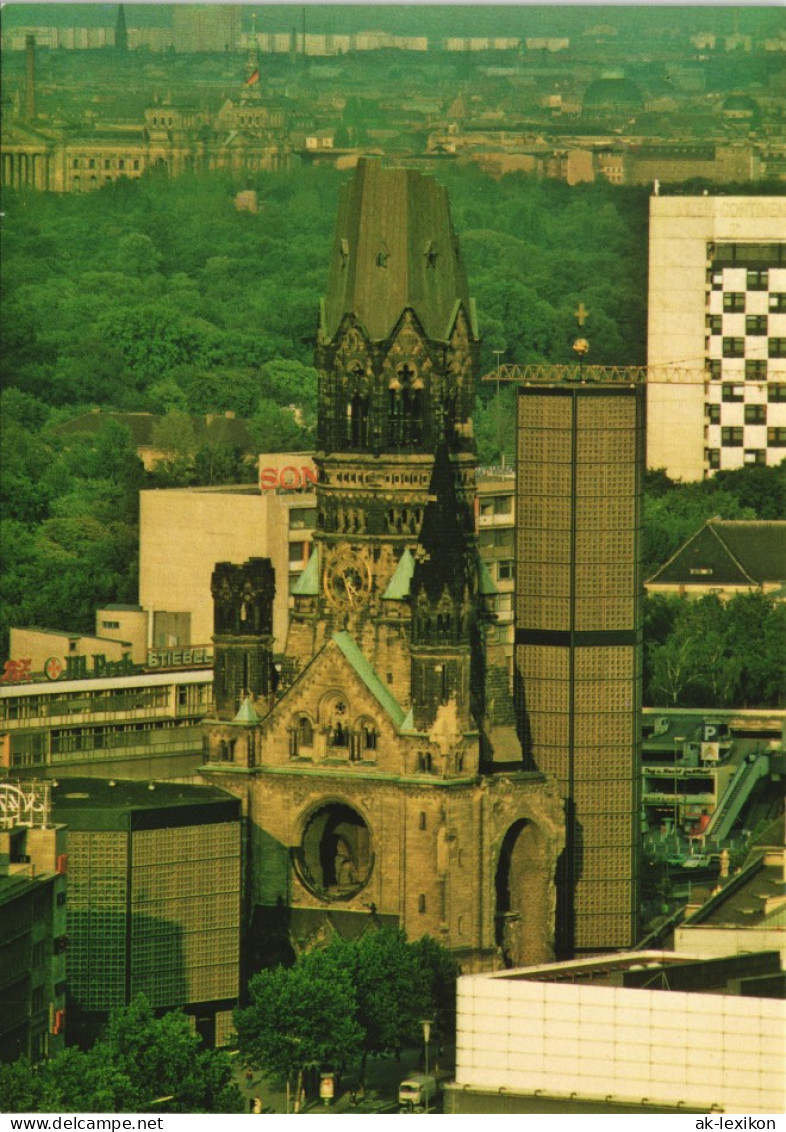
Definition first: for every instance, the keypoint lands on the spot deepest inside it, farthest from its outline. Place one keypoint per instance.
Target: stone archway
(522, 890)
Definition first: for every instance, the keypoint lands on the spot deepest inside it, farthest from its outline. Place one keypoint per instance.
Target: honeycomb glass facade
(578, 639)
(154, 897)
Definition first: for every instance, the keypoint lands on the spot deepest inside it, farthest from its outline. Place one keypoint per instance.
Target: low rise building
(748, 914)
(641, 1031)
(700, 770)
(142, 725)
(727, 557)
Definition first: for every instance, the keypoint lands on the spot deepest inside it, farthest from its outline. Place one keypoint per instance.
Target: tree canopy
(346, 1002)
(142, 1064)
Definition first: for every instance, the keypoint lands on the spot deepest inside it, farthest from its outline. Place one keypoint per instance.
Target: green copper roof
(246, 714)
(307, 584)
(369, 677)
(487, 584)
(394, 248)
(398, 586)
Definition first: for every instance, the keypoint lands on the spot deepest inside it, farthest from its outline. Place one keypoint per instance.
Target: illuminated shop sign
(70, 668)
(288, 478)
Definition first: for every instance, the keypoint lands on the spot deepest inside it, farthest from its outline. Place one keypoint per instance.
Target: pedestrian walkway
(383, 1076)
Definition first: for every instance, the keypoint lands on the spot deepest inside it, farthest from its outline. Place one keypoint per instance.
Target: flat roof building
(154, 898)
(641, 1031)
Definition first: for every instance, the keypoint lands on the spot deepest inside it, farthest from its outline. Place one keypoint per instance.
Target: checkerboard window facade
(745, 354)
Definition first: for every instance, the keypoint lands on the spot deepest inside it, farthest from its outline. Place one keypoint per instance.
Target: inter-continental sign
(95, 666)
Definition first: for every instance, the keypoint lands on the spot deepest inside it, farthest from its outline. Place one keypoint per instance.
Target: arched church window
(338, 735)
(405, 407)
(357, 422)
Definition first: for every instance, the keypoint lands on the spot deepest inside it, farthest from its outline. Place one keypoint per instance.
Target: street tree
(299, 1016)
(143, 1063)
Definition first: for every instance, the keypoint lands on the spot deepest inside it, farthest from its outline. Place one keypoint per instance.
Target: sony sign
(288, 478)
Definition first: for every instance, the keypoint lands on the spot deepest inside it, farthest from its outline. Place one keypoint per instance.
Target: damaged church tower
(385, 778)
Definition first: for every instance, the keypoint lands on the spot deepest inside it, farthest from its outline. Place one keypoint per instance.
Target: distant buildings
(173, 139)
(717, 312)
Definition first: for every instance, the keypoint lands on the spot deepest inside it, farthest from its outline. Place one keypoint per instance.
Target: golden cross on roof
(581, 313)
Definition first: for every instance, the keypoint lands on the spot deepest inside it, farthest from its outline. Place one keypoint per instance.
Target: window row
(755, 369)
(733, 436)
(735, 347)
(754, 414)
(105, 163)
(754, 324)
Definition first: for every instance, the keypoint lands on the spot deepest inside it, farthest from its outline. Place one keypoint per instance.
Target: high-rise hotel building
(717, 333)
(578, 651)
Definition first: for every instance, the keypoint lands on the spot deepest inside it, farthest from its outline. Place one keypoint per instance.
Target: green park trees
(709, 653)
(143, 1063)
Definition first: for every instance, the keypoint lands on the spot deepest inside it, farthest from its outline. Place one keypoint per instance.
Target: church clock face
(347, 579)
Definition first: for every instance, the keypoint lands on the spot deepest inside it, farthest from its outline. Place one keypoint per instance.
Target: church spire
(121, 33)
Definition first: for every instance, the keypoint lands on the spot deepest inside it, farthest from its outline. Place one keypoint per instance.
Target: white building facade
(572, 1034)
(716, 334)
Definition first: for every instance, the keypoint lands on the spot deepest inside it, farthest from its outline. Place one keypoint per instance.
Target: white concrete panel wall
(712, 942)
(598, 1042)
(675, 338)
(184, 533)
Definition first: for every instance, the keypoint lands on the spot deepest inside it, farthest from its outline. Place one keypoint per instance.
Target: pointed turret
(121, 32)
(443, 595)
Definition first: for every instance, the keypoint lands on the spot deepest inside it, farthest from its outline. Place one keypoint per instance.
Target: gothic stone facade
(383, 776)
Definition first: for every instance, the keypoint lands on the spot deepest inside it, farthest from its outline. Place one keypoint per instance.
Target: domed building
(612, 91)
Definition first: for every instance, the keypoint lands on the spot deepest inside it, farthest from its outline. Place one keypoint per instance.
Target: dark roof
(394, 248)
(746, 901)
(729, 552)
(142, 426)
(122, 804)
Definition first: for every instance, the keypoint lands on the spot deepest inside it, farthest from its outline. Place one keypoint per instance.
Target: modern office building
(33, 937)
(142, 725)
(185, 531)
(495, 516)
(716, 334)
(639, 1032)
(154, 898)
(579, 639)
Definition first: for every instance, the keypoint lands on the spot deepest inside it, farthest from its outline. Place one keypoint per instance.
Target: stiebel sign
(180, 658)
